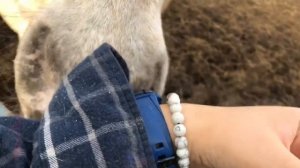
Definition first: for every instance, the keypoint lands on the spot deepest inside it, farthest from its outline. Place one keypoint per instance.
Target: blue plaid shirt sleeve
(92, 121)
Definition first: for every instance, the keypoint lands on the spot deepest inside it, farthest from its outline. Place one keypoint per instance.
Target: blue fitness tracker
(156, 129)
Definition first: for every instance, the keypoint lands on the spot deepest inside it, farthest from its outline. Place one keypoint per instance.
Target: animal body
(67, 31)
(18, 13)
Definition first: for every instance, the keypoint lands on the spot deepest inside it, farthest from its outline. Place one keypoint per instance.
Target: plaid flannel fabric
(92, 121)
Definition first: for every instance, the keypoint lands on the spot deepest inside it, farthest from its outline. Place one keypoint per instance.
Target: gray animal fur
(69, 30)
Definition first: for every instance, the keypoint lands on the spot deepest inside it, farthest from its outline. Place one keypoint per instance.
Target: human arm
(235, 137)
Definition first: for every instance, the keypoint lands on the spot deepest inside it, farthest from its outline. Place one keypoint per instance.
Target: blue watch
(156, 129)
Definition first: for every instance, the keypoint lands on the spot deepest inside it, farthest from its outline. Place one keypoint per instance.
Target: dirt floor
(233, 52)
(8, 44)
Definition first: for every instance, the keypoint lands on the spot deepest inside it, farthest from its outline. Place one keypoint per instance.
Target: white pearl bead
(182, 153)
(177, 118)
(184, 162)
(173, 98)
(181, 142)
(174, 108)
(179, 130)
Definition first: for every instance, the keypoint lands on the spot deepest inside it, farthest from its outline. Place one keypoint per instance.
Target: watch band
(156, 129)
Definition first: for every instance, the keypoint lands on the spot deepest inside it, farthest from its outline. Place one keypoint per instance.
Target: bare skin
(241, 137)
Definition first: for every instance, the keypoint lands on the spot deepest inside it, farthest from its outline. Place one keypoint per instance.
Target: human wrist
(197, 124)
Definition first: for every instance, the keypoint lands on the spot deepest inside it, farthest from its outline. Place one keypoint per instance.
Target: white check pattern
(92, 122)
(99, 110)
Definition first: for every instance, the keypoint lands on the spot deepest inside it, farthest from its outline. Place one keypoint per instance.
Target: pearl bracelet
(179, 129)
